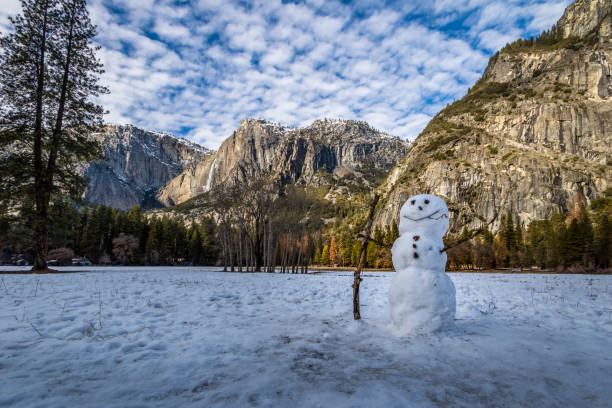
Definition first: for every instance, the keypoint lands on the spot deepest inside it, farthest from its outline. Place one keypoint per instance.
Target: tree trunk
(269, 248)
(362, 257)
(272, 250)
(264, 246)
(240, 250)
(225, 256)
(41, 229)
(257, 246)
(284, 256)
(231, 250)
(299, 258)
(274, 254)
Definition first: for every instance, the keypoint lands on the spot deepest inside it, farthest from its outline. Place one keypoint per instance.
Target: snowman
(422, 296)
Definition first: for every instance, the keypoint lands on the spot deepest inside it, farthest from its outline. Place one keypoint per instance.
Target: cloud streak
(198, 68)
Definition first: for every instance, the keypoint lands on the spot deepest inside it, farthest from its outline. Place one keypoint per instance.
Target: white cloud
(493, 40)
(546, 14)
(9, 8)
(207, 66)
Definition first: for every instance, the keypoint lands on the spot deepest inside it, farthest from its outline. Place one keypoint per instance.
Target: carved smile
(430, 216)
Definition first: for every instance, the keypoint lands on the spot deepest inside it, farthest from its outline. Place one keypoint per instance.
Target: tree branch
(362, 257)
(377, 242)
(472, 235)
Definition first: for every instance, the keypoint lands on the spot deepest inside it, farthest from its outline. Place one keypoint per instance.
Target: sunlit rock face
(293, 155)
(532, 135)
(154, 169)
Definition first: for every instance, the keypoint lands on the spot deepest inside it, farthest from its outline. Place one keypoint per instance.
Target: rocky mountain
(136, 164)
(311, 155)
(532, 134)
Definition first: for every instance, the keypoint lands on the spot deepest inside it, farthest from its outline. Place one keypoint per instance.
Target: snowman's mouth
(431, 216)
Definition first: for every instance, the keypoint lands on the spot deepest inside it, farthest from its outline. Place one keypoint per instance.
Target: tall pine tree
(48, 75)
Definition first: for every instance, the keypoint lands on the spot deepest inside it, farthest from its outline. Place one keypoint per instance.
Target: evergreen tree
(371, 254)
(92, 243)
(210, 244)
(355, 253)
(63, 221)
(325, 255)
(48, 75)
(195, 245)
(316, 258)
(345, 247)
(571, 252)
(507, 233)
(603, 245)
(153, 241)
(393, 234)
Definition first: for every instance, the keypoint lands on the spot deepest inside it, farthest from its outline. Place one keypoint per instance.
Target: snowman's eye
(426, 201)
(412, 202)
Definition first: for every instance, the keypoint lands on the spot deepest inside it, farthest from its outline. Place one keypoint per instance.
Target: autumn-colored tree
(384, 258)
(333, 251)
(325, 255)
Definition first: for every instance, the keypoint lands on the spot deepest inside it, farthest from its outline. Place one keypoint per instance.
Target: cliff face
(136, 164)
(586, 16)
(535, 131)
(295, 155)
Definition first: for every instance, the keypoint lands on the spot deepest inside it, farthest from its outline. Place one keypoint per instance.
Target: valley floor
(166, 337)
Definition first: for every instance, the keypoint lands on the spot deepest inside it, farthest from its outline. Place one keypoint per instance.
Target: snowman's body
(422, 296)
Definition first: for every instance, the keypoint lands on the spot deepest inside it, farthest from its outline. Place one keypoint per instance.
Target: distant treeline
(261, 225)
(550, 39)
(580, 241)
(105, 235)
(343, 249)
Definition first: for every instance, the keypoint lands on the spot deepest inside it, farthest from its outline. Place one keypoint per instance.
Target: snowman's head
(424, 213)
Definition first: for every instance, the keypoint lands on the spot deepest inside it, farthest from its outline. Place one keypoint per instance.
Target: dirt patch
(38, 272)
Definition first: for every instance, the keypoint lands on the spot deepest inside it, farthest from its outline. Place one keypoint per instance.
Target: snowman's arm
(377, 242)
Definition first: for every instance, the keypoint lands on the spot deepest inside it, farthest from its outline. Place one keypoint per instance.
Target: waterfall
(211, 174)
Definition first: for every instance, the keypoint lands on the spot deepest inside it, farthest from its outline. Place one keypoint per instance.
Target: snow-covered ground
(173, 337)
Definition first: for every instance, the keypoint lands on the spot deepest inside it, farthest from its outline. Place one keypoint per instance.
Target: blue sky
(197, 68)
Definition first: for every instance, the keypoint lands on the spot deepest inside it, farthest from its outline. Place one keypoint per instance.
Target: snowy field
(192, 337)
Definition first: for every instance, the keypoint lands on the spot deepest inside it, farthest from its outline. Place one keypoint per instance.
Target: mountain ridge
(135, 164)
(294, 155)
(155, 169)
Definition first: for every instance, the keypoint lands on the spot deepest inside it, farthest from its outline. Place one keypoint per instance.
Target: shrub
(63, 256)
(124, 247)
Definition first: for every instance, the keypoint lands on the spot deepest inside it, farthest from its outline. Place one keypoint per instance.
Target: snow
(192, 337)
(422, 296)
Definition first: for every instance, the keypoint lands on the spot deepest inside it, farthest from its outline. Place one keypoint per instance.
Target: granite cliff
(153, 169)
(135, 165)
(531, 135)
(310, 155)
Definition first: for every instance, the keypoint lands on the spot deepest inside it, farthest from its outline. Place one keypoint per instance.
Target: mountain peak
(262, 122)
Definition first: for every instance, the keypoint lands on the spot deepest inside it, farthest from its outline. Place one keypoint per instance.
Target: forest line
(262, 226)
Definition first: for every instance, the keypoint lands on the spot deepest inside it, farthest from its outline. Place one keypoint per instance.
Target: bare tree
(124, 247)
(364, 244)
